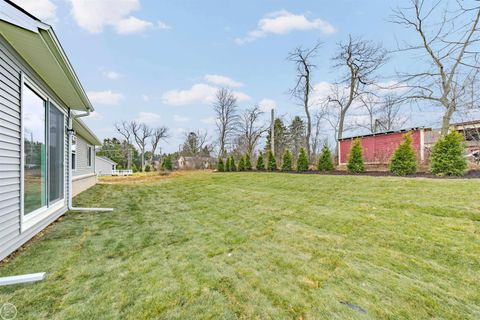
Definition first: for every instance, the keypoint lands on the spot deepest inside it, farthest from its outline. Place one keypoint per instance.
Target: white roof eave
(38, 45)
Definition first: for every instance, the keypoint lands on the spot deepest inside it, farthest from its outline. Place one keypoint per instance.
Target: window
(89, 156)
(43, 152)
(74, 153)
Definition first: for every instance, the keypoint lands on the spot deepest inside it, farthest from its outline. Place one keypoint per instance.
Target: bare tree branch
(225, 107)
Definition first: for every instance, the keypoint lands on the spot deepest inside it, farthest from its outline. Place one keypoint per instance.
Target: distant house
(378, 148)
(41, 100)
(104, 166)
(192, 163)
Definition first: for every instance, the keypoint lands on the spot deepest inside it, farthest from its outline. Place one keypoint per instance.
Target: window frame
(89, 156)
(74, 153)
(31, 219)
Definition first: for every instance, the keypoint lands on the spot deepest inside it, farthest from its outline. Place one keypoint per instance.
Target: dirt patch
(140, 178)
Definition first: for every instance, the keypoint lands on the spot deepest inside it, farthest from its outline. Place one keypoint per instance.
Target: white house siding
(103, 167)
(11, 235)
(84, 176)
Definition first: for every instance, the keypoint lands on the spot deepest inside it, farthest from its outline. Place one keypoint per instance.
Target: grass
(264, 246)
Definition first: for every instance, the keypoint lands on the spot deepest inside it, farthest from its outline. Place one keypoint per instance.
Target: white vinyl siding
(11, 68)
(81, 155)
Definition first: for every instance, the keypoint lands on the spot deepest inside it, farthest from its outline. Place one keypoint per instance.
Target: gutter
(70, 178)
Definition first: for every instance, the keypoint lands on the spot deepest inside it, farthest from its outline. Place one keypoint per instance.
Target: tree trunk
(446, 120)
(307, 112)
(143, 160)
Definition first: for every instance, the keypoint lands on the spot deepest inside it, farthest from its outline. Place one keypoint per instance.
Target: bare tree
(141, 132)
(449, 48)
(369, 103)
(303, 87)
(359, 60)
(389, 115)
(123, 129)
(250, 130)
(384, 113)
(225, 107)
(196, 144)
(158, 134)
(317, 140)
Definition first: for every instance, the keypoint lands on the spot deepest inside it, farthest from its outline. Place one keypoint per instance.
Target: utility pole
(272, 133)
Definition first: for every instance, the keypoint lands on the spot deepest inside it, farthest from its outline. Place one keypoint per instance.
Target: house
(41, 102)
(192, 163)
(83, 163)
(378, 148)
(105, 166)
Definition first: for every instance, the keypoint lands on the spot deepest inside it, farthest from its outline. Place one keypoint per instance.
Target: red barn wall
(379, 148)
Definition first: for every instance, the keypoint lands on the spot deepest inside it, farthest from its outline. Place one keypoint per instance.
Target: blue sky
(160, 61)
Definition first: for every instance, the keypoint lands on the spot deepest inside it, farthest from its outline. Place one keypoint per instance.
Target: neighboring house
(39, 93)
(192, 163)
(104, 166)
(378, 148)
(83, 162)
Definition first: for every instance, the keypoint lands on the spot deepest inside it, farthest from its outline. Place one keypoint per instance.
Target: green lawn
(260, 246)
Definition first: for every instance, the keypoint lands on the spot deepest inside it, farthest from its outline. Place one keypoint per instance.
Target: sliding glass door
(56, 155)
(34, 151)
(43, 152)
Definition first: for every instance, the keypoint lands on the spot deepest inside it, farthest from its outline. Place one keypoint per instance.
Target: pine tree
(167, 163)
(355, 158)
(325, 162)
(220, 165)
(281, 138)
(404, 160)
(260, 163)
(228, 165)
(248, 163)
(287, 161)
(302, 161)
(233, 167)
(447, 156)
(272, 164)
(241, 164)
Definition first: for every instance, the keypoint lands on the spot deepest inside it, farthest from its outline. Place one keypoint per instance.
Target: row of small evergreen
(446, 159)
(325, 162)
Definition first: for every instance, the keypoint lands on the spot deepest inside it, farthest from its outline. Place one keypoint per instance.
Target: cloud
(146, 98)
(95, 115)
(135, 25)
(209, 120)
(241, 96)
(112, 75)
(198, 93)
(94, 16)
(222, 81)
(148, 117)
(107, 97)
(45, 10)
(284, 22)
(267, 105)
(180, 119)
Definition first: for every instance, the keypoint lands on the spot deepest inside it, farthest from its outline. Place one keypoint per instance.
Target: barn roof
(384, 133)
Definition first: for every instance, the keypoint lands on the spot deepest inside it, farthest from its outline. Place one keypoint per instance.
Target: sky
(161, 62)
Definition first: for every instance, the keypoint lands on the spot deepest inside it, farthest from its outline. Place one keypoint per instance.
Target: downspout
(70, 140)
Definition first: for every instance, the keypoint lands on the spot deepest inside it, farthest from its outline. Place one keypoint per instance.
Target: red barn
(379, 147)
